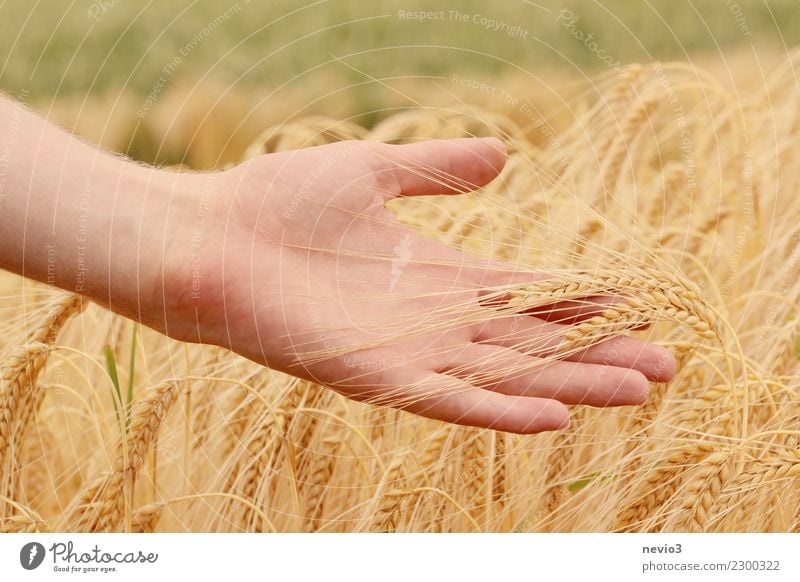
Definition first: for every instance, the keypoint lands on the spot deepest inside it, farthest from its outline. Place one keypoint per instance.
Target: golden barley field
(666, 183)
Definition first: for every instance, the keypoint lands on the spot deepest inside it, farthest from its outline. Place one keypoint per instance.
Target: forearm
(79, 218)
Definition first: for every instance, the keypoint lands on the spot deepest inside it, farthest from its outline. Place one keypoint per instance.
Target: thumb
(439, 166)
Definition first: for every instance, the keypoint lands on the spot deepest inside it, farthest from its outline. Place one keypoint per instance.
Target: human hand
(296, 254)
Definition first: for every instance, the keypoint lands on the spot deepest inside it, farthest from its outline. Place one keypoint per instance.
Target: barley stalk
(649, 296)
(102, 505)
(59, 312)
(659, 485)
(146, 518)
(319, 480)
(253, 461)
(389, 497)
(391, 507)
(705, 485)
(763, 473)
(20, 398)
(475, 475)
(22, 524)
(635, 122)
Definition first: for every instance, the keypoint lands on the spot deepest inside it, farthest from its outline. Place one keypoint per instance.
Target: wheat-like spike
(257, 452)
(248, 474)
(559, 459)
(22, 524)
(389, 512)
(200, 417)
(707, 406)
(243, 406)
(671, 306)
(201, 413)
(625, 317)
(670, 237)
(783, 358)
(310, 131)
(389, 502)
(764, 472)
(30, 408)
(587, 233)
(59, 312)
(319, 480)
(434, 448)
(642, 426)
(147, 417)
(775, 469)
(379, 418)
(672, 203)
(611, 322)
(650, 409)
(705, 485)
(282, 447)
(19, 393)
(621, 149)
(549, 291)
(648, 296)
(499, 469)
(698, 245)
(102, 505)
(659, 486)
(474, 474)
(312, 397)
(146, 518)
(617, 97)
(34, 480)
(691, 380)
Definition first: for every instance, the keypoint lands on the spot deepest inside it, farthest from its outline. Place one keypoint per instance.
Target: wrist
(88, 222)
(179, 244)
(133, 238)
(120, 232)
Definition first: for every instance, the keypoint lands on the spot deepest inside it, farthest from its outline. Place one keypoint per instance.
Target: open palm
(304, 269)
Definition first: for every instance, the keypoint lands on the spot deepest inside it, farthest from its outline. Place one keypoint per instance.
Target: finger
(440, 166)
(510, 372)
(449, 399)
(655, 362)
(540, 338)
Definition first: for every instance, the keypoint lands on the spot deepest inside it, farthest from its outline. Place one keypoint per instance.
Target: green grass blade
(584, 481)
(131, 371)
(111, 368)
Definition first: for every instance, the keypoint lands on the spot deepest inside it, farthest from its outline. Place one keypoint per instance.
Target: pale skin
(279, 257)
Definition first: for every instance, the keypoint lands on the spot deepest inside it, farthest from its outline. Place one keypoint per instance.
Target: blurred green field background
(156, 79)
